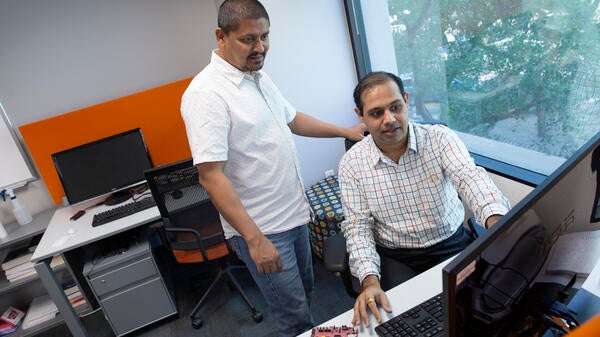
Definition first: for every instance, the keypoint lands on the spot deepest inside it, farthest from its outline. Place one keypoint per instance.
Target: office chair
(191, 227)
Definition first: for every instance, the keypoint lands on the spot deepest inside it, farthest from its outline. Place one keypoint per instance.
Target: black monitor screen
(103, 166)
(500, 284)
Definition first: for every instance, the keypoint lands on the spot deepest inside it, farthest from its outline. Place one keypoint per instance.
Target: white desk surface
(592, 282)
(401, 297)
(62, 234)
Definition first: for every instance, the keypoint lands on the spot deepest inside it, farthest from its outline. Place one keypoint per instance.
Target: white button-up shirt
(413, 203)
(241, 118)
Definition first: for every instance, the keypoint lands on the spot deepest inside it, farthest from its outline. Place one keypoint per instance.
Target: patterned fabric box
(324, 199)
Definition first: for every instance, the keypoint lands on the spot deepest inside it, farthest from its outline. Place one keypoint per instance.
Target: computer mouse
(176, 194)
(71, 231)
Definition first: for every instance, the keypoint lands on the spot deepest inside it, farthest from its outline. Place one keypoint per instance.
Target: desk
(58, 239)
(427, 284)
(401, 297)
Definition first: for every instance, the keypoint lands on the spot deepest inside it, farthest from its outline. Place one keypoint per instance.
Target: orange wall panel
(155, 111)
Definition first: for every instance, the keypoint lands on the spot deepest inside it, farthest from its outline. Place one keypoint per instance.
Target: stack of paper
(21, 267)
(76, 298)
(18, 267)
(41, 310)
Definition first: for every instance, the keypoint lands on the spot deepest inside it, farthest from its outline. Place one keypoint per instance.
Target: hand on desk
(371, 296)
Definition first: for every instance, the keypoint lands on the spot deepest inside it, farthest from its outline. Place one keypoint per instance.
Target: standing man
(400, 194)
(239, 128)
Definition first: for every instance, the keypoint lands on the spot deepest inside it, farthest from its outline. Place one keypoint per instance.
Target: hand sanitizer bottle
(21, 214)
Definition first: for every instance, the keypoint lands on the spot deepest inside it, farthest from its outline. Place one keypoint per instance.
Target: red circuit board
(335, 331)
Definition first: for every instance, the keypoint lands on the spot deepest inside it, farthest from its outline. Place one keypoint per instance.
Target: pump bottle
(21, 214)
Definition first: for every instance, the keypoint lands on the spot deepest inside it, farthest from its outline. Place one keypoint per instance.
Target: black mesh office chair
(191, 226)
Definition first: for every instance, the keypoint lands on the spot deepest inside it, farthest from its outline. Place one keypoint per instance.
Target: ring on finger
(369, 300)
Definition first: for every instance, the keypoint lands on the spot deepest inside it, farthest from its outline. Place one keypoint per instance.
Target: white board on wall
(15, 170)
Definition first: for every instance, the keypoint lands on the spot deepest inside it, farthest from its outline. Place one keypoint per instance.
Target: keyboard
(122, 211)
(425, 319)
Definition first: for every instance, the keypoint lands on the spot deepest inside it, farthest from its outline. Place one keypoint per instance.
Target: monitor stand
(117, 197)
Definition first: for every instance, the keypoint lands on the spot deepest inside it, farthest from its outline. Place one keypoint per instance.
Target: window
(519, 80)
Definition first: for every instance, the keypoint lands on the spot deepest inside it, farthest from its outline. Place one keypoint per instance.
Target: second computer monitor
(486, 285)
(103, 166)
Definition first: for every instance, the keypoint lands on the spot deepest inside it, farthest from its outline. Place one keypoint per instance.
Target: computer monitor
(105, 166)
(489, 286)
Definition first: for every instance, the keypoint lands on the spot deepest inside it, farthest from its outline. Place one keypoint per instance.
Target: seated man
(400, 191)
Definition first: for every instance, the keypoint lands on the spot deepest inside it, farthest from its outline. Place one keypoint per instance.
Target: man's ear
(406, 97)
(220, 35)
(360, 116)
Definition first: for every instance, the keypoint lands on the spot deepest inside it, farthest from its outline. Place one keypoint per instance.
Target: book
(6, 329)
(71, 290)
(40, 310)
(28, 324)
(16, 273)
(15, 261)
(73, 295)
(24, 276)
(9, 321)
(20, 267)
(575, 253)
(12, 315)
(13, 276)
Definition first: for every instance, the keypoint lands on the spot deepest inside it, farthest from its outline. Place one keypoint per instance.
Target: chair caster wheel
(257, 317)
(196, 323)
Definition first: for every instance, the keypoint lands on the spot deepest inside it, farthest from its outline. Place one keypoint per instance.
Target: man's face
(246, 47)
(385, 114)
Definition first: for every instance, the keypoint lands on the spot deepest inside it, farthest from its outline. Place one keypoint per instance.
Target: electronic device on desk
(105, 166)
(426, 318)
(497, 286)
(123, 211)
(334, 331)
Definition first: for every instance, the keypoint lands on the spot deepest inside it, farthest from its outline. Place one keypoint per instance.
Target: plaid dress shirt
(413, 203)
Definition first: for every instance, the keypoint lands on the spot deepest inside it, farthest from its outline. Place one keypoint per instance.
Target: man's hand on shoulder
(356, 132)
(371, 296)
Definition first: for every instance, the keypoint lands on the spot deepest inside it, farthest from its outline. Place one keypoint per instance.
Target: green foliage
(499, 61)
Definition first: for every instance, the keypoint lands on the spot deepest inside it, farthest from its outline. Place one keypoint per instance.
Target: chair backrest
(190, 220)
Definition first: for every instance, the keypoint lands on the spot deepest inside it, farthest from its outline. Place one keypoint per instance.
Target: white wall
(61, 55)
(310, 59)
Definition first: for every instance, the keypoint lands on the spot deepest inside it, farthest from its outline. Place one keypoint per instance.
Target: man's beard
(252, 66)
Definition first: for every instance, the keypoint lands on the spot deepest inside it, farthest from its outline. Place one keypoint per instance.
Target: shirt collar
(232, 73)
(412, 138)
(374, 154)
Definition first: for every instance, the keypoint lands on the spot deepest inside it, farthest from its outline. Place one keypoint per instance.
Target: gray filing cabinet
(129, 288)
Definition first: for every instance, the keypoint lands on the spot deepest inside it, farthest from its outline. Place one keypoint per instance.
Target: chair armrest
(335, 260)
(334, 253)
(476, 229)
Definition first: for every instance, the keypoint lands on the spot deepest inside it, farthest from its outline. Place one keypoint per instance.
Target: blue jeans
(287, 293)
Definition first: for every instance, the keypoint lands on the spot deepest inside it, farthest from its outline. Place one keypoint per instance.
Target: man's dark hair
(372, 80)
(232, 12)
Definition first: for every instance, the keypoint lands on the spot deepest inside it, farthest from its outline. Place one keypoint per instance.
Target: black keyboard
(122, 211)
(425, 319)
